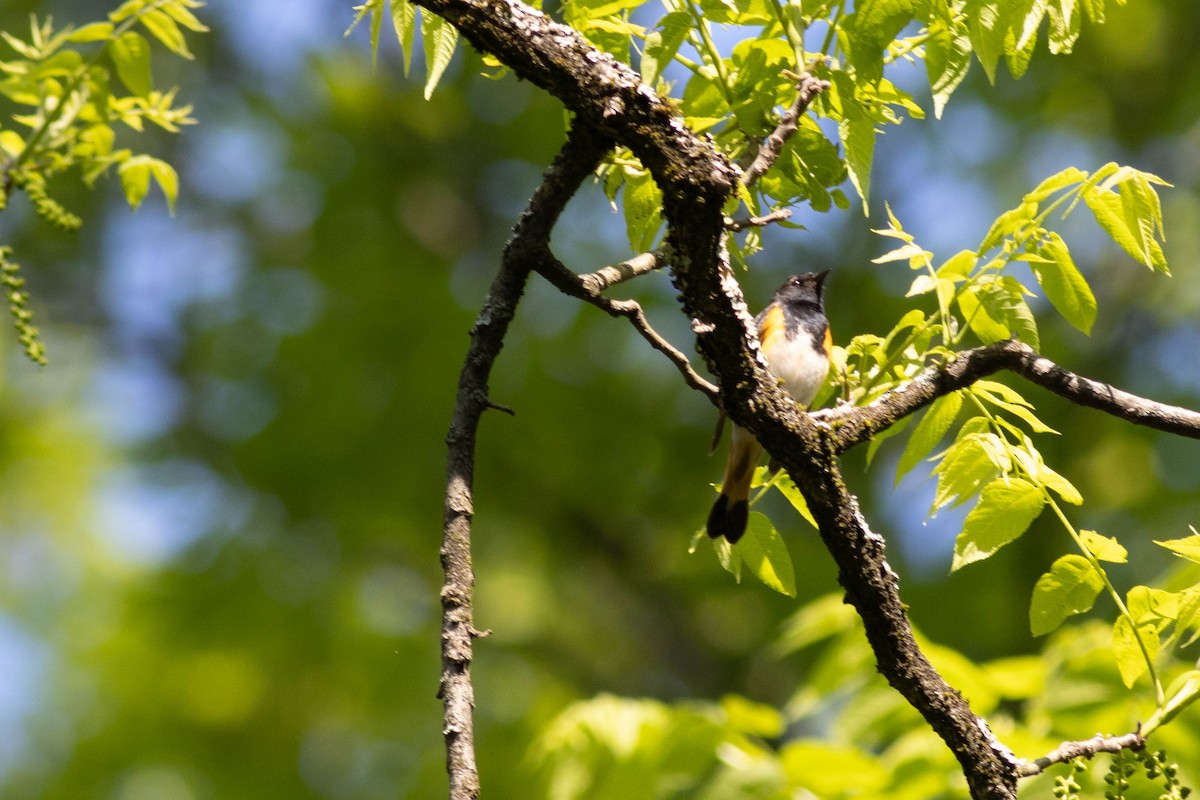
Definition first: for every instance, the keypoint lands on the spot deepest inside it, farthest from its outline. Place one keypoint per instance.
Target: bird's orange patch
(828, 343)
(774, 327)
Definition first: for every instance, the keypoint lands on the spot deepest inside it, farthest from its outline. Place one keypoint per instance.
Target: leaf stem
(1159, 695)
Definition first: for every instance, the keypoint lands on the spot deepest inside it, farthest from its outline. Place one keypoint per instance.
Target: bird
(795, 338)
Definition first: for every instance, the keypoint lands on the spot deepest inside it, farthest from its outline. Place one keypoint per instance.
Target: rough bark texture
(606, 97)
(526, 251)
(852, 426)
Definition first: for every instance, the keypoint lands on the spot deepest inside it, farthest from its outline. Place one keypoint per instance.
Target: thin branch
(577, 159)
(853, 426)
(807, 89)
(1068, 751)
(596, 282)
(736, 225)
(579, 287)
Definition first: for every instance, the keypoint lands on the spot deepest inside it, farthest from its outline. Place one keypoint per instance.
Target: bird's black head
(805, 289)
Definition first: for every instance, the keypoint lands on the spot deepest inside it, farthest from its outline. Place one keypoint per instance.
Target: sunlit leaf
(929, 432)
(764, 553)
(1132, 646)
(404, 21)
(1065, 287)
(130, 53)
(1005, 510)
(1070, 587)
(1105, 548)
(164, 29)
(95, 32)
(441, 38)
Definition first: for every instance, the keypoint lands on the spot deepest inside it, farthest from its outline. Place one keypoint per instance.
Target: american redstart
(795, 339)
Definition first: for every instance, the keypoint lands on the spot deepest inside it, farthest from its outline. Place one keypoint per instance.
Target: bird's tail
(732, 510)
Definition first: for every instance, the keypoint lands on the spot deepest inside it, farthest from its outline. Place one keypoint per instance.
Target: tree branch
(807, 89)
(852, 426)
(1086, 749)
(577, 286)
(525, 251)
(778, 215)
(695, 181)
(596, 282)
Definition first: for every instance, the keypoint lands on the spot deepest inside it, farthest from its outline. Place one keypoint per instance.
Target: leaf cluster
(67, 89)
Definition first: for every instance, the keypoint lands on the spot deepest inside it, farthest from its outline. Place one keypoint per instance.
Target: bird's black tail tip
(728, 519)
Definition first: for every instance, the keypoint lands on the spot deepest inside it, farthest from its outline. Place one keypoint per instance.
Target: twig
(1086, 749)
(530, 240)
(596, 282)
(807, 89)
(579, 287)
(736, 225)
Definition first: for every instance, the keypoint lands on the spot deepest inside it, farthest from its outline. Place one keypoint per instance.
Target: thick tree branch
(1068, 751)
(852, 426)
(695, 181)
(526, 249)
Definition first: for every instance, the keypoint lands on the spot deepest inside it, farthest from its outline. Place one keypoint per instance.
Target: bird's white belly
(801, 370)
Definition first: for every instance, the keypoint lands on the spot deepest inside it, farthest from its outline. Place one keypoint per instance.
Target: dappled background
(220, 503)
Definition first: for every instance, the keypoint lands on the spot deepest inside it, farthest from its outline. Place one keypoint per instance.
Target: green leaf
(889, 432)
(1005, 510)
(178, 11)
(1131, 656)
(1008, 224)
(995, 310)
(130, 53)
(870, 29)
(788, 489)
(755, 719)
(135, 179)
(577, 11)
(1064, 26)
(766, 556)
(1056, 183)
(1065, 287)
(1008, 399)
(642, 201)
(404, 21)
(1104, 548)
(987, 25)
(703, 103)
(1187, 547)
(1025, 28)
(440, 40)
(663, 43)
(1131, 216)
(929, 431)
(95, 32)
(167, 180)
(1070, 587)
(127, 10)
(163, 28)
(857, 129)
(947, 55)
(964, 469)
(833, 770)
(1060, 485)
(135, 174)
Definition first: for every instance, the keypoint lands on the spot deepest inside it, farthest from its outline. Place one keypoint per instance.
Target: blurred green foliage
(220, 507)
